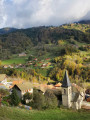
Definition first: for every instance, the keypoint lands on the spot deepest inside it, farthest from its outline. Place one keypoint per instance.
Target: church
(72, 94)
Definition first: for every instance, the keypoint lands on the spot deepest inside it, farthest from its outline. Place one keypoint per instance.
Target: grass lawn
(20, 60)
(7, 113)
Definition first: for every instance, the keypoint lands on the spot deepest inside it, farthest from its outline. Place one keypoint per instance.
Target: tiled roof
(44, 87)
(58, 85)
(24, 86)
(17, 82)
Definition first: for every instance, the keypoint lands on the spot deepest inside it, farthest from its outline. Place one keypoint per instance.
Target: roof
(58, 85)
(66, 82)
(77, 88)
(17, 82)
(24, 86)
(42, 87)
(2, 77)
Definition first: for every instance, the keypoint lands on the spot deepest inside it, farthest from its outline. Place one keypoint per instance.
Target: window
(64, 91)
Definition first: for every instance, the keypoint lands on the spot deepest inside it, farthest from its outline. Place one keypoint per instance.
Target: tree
(15, 100)
(50, 99)
(0, 62)
(2, 94)
(38, 100)
(30, 57)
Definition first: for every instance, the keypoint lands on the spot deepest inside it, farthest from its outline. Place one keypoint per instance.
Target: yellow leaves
(80, 65)
(0, 62)
(58, 59)
(61, 42)
(59, 75)
(68, 63)
(78, 59)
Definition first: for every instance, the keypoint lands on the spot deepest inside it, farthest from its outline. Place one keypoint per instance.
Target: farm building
(23, 88)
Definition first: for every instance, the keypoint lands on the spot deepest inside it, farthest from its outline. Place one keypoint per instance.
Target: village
(33, 62)
(70, 95)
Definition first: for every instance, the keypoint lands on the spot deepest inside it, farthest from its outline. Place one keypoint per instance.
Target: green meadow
(21, 60)
(8, 113)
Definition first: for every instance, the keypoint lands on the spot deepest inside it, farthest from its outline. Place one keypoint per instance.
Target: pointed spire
(66, 82)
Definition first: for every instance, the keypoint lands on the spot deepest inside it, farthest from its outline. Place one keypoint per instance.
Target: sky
(32, 13)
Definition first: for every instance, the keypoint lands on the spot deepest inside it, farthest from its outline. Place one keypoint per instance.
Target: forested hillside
(48, 52)
(22, 40)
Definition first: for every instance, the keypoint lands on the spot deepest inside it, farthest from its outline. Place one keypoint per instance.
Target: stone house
(22, 88)
(72, 94)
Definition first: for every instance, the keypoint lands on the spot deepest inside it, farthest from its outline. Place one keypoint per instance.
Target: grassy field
(7, 113)
(20, 60)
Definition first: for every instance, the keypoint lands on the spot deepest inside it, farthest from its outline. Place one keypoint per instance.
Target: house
(22, 54)
(10, 66)
(35, 59)
(23, 88)
(2, 86)
(58, 85)
(3, 80)
(5, 66)
(15, 82)
(72, 95)
(43, 65)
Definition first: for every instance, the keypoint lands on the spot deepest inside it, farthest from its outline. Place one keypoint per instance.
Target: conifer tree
(15, 100)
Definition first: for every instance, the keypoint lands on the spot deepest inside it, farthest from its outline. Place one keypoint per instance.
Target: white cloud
(2, 14)
(28, 13)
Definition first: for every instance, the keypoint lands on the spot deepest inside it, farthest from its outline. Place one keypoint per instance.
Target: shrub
(27, 96)
(50, 99)
(5, 103)
(38, 100)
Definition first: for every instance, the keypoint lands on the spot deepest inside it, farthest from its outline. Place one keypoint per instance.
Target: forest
(66, 46)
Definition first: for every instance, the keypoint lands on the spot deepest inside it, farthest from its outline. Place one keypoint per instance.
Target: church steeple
(66, 82)
(66, 91)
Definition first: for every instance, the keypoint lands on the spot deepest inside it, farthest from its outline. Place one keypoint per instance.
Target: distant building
(3, 80)
(22, 54)
(5, 66)
(72, 94)
(23, 88)
(58, 85)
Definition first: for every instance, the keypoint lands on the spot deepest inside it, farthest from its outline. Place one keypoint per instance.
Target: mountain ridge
(7, 30)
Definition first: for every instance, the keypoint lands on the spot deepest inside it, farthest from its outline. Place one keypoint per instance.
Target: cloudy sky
(29, 13)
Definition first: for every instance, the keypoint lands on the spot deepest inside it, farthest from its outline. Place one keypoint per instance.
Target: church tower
(66, 91)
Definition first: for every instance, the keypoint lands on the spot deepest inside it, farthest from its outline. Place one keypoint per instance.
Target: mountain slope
(23, 39)
(7, 30)
(84, 22)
